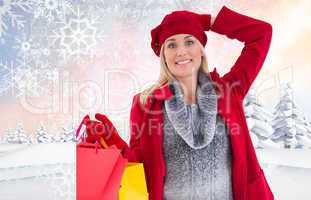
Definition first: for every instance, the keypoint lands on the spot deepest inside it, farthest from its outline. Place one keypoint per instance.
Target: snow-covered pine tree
(289, 122)
(308, 127)
(19, 136)
(8, 136)
(305, 139)
(2, 139)
(56, 138)
(67, 133)
(42, 136)
(258, 121)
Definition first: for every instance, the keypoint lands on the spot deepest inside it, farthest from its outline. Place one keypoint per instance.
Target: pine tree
(42, 136)
(290, 125)
(56, 138)
(67, 134)
(8, 136)
(19, 136)
(308, 127)
(258, 121)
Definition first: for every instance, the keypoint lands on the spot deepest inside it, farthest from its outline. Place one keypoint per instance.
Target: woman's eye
(171, 45)
(189, 42)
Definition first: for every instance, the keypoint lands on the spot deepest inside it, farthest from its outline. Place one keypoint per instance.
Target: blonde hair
(166, 76)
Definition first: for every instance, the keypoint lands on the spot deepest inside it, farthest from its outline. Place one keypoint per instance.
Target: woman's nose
(181, 51)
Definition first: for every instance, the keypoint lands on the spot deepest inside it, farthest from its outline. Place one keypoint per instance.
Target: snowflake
(9, 14)
(63, 181)
(77, 37)
(24, 45)
(24, 77)
(26, 82)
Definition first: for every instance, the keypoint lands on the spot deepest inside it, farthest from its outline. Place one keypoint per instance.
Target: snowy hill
(40, 154)
(40, 171)
(288, 172)
(299, 158)
(9, 148)
(47, 171)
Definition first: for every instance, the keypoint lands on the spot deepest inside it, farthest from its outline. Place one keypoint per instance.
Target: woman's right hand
(94, 129)
(104, 129)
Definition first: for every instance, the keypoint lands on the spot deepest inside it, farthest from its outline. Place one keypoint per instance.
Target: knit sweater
(196, 146)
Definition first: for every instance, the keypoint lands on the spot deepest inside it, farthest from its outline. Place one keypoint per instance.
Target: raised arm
(256, 35)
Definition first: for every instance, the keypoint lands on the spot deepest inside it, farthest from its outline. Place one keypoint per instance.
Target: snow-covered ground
(288, 171)
(41, 171)
(47, 171)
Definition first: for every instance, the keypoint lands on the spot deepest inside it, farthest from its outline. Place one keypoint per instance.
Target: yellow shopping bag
(133, 184)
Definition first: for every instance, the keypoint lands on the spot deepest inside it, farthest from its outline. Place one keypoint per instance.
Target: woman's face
(183, 55)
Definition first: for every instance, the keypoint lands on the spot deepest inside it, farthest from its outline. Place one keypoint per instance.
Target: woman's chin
(185, 70)
(183, 74)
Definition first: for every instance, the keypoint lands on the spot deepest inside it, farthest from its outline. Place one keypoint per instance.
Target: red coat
(248, 179)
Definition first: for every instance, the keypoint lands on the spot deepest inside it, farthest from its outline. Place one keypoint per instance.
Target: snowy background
(62, 59)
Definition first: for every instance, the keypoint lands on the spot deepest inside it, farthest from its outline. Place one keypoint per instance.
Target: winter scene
(63, 59)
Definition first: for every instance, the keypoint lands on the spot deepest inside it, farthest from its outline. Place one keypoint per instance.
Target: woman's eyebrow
(173, 39)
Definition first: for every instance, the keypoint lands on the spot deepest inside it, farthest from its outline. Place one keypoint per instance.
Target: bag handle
(86, 121)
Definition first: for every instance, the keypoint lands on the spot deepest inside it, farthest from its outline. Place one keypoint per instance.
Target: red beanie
(179, 22)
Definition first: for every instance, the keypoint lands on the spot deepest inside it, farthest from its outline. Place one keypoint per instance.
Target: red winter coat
(248, 179)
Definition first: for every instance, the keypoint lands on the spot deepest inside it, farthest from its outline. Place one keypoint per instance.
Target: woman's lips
(183, 62)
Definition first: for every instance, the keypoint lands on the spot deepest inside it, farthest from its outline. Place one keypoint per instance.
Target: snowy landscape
(47, 171)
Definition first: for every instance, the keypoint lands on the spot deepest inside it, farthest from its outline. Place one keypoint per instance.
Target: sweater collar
(199, 135)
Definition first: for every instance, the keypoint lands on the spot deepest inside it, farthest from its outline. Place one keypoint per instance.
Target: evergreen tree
(258, 121)
(42, 136)
(18, 136)
(291, 128)
(68, 133)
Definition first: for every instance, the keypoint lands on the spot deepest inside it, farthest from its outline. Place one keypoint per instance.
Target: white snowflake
(76, 39)
(10, 14)
(24, 45)
(63, 181)
(27, 77)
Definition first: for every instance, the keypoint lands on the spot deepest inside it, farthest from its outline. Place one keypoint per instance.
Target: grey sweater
(196, 146)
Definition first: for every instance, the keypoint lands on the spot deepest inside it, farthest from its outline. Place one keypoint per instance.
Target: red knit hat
(179, 22)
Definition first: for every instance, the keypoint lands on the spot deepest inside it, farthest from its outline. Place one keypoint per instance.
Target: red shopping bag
(99, 171)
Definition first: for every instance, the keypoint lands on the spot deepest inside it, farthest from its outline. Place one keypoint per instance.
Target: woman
(189, 129)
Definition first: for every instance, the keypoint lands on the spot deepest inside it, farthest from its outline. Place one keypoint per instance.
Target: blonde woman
(189, 129)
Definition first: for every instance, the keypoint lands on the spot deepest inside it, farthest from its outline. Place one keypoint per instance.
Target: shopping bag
(99, 169)
(99, 172)
(133, 184)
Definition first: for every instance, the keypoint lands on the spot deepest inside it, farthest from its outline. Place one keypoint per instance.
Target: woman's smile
(183, 62)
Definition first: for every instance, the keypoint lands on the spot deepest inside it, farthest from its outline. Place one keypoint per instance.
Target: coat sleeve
(133, 151)
(256, 35)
